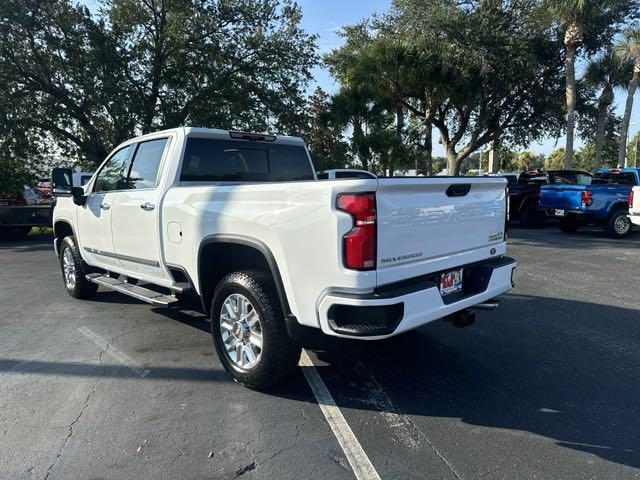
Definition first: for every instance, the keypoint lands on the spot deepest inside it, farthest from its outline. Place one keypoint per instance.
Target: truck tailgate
(561, 197)
(430, 224)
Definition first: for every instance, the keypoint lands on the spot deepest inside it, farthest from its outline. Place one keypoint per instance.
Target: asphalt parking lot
(545, 387)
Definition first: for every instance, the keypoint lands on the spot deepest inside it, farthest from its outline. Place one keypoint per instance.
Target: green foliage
(475, 71)
(323, 134)
(14, 175)
(632, 151)
(87, 82)
(555, 160)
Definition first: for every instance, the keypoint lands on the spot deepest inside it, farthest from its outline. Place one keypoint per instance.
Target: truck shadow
(563, 370)
(587, 237)
(31, 243)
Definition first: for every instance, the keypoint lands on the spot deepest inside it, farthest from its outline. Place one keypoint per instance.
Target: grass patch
(41, 231)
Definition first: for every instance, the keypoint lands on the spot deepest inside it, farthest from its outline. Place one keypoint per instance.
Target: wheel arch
(616, 206)
(61, 228)
(238, 253)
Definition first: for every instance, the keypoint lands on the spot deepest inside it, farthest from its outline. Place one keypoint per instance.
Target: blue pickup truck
(604, 202)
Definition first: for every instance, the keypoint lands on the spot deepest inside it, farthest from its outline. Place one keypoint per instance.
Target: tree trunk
(428, 148)
(570, 97)
(604, 102)
(357, 137)
(452, 162)
(494, 157)
(397, 151)
(624, 128)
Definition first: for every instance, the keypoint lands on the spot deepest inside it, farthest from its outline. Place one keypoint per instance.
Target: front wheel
(248, 330)
(73, 274)
(618, 225)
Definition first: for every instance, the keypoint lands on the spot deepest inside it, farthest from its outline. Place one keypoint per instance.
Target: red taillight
(359, 244)
(631, 199)
(585, 198)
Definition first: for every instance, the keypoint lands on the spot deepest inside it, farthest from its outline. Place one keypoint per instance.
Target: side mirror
(79, 198)
(61, 181)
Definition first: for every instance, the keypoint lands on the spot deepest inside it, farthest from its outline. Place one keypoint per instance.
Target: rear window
(527, 179)
(624, 178)
(570, 178)
(213, 160)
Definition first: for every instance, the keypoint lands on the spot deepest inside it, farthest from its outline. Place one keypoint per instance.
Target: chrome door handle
(105, 206)
(147, 206)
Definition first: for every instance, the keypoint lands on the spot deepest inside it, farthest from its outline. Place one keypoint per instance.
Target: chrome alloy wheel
(622, 225)
(69, 269)
(241, 331)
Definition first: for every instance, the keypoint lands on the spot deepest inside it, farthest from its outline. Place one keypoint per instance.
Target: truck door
(94, 218)
(136, 212)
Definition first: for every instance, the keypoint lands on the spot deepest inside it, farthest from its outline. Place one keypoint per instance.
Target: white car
(241, 221)
(634, 206)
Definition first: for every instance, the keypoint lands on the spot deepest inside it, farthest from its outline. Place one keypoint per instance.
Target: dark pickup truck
(18, 214)
(524, 196)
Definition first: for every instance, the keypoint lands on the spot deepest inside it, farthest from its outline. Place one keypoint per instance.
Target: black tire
(279, 355)
(81, 288)
(618, 225)
(568, 224)
(531, 217)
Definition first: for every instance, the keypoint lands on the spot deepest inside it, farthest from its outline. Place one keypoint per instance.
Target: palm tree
(629, 49)
(606, 72)
(352, 106)
(572, 15)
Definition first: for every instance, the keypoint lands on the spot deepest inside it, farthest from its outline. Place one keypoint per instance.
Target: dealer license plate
(451, 282)
(559, 213)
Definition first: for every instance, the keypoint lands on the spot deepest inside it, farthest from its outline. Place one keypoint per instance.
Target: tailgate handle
(458, 189)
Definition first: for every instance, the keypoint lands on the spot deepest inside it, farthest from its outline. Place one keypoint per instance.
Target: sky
(325, 17)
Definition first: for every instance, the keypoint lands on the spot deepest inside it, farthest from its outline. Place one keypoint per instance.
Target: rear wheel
(618, 225)
(248, 329)
(531, 217)
(569, 224)
(73, 273)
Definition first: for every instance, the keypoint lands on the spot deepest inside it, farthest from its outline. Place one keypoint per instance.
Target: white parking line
(360, 463)
(114, 352)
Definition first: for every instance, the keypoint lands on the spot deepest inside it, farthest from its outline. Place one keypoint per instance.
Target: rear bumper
(635, 218)
(399, 307)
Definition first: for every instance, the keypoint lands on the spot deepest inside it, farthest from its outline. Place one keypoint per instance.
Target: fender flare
(259, 246)
(58, 240)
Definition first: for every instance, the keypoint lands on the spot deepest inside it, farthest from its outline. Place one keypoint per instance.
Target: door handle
(148, 206)
(105, 206)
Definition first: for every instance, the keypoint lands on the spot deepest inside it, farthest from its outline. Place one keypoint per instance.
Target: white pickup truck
(241, 221)
(634, 206)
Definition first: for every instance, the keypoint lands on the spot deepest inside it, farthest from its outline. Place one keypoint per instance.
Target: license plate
(450, 282)
(559, 213)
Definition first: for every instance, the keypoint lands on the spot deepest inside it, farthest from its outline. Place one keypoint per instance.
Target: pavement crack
(77, 419)
(247, 468)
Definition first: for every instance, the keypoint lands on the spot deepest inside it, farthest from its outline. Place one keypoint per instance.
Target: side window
(114, 173)
(145, 165)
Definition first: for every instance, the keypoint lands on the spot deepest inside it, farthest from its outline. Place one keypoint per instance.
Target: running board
(141, 293)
